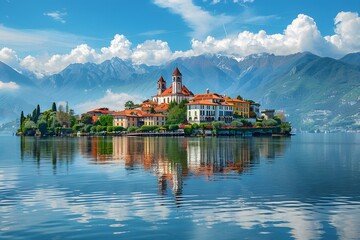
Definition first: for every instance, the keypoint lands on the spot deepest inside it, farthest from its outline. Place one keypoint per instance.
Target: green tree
(203, 126)
(63, 118)
(132, 129)
(22, 118)
(177, 114)
(42, 126)
(171, 105)
(236, 123)
(38, 112)
(188, 130)
(86, 119)
(217, 125)
(106, 120)
(278, 120)
(240, 97)
(285, 127)
(269, 123)
(53, 107)
(152, 110)
(129, 105)
(173, 127)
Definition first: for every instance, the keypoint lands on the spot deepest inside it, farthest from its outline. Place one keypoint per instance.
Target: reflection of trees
(56, 150)
(173, 158)
(99, 149)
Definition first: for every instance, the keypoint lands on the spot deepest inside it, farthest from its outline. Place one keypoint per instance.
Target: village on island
(173, 111)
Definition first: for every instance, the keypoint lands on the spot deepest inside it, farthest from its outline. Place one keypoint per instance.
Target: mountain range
(316, 93)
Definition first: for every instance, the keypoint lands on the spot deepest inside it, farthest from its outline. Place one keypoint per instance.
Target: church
(175, 93)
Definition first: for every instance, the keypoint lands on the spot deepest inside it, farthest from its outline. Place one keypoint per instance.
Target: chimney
(207, 91)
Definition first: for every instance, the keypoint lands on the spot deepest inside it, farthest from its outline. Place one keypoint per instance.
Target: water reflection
(112, 190)
(45, 150)
(172, 159)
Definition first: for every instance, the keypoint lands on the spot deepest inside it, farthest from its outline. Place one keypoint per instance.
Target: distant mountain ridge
(315, 92)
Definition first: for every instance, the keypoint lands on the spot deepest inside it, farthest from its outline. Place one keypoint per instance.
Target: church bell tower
(176, 81)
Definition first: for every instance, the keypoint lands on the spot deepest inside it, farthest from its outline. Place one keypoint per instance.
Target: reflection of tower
(177, 179)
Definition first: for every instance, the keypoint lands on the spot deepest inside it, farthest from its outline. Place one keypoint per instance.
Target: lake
(303, 187)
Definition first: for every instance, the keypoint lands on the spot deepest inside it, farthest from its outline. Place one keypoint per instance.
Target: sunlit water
(303, 187)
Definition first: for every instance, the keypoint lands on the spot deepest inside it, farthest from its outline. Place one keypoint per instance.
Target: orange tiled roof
(202, 102)
(177, 72)
(155, 115)
(236, 100)
(130, 113)
(100, 111)
(163, 107)
(206, 96)
(184, 91)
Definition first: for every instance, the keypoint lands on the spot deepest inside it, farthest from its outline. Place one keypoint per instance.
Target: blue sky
(45, 36)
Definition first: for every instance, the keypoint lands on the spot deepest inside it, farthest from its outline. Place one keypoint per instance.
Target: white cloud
(8, 86)
(152, 52)
(114, 101)
(81, 54)
(57, 16)
(201, 21)
(8, 56)
(347, 32)
(120, 47)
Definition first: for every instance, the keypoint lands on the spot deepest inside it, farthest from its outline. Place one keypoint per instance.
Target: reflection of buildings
(210, 155)
(171, 159)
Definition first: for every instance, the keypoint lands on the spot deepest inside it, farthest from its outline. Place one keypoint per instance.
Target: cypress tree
(53, 107)
(22, 118)
(38, 111)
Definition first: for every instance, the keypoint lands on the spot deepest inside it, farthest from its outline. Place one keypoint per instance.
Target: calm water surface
(304, 187)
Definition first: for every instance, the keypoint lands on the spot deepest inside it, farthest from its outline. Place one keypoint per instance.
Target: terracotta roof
(155, 115)
(184, 91)
(206, 96)
(130, 113)
(177, 72)
(100, 111)
(163, 107)
(236, 100)
(203, 102)
(161, 79)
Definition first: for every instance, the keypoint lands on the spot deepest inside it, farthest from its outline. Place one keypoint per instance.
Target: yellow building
(240, 107)
(137, 118)
(128, 118)
(154, 119)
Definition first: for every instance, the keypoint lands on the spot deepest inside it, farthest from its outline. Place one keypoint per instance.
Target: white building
(209, 107)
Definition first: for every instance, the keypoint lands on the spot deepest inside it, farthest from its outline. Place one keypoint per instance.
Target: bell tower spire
(176, 81)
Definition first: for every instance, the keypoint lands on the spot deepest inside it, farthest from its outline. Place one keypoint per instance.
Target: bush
(86, 128)
(118, 129)
(188, 130)
(109, 129)
(236, 123)
(100, 128)
(93, 129)
(132, 129)
(173, 127)
(146, 128)
(76, 128)
(195, 126)
(258, 124)
(269, 122)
